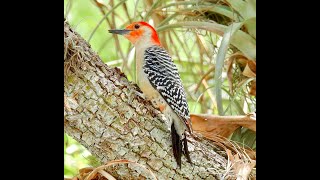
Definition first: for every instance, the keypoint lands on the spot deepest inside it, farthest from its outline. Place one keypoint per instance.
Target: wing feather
(163, 76)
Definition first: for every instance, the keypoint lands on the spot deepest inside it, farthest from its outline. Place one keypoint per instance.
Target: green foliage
(201, 36)
(245, 137)
(75, 157)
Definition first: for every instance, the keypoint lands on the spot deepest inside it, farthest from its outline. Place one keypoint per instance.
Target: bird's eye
(137, 26)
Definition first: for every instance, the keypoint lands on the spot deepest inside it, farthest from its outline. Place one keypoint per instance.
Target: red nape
(154, 35)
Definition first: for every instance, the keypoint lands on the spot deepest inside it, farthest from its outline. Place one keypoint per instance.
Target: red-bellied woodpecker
(159, 80)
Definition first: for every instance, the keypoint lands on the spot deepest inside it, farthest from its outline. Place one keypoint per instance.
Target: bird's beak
(119, 31)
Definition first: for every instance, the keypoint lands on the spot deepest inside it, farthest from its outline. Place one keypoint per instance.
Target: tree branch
(104, 114)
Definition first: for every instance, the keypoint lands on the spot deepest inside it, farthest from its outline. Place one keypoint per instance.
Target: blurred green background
(218, 72)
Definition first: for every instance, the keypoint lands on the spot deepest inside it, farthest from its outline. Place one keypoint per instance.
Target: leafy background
(212, 43)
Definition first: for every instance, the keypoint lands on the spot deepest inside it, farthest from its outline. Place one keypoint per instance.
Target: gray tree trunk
(102, 112)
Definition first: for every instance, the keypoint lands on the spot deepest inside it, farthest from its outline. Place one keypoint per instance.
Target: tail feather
(177, 146)
(186, 151)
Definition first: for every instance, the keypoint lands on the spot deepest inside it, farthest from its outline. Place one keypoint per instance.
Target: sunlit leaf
(245, 9)
(250, 25)
(220, 62)
(243, 41)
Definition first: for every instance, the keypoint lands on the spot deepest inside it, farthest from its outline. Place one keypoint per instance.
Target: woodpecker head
(139, 32)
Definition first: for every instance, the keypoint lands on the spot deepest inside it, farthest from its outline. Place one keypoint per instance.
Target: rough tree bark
(102, 112)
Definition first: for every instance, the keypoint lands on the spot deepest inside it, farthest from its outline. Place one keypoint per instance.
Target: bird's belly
(148, 90)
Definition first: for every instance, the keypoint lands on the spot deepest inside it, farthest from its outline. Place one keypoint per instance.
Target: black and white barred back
(163, 76)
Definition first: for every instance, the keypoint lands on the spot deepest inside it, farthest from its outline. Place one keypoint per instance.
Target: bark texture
(103, 112)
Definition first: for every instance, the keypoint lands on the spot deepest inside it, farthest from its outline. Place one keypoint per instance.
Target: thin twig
(204, 77)
(121, 161)
(105, 16)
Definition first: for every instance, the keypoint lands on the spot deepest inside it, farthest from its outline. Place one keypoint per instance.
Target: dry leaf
(219, 128)
(86, 170)
(99, 169)
(83, 172)
(212, 125)
(229, 74)
(74, 178)
(250, 69)
(242, 62)
(253, 88)
(106, 175)
(241, 166)
(251, 153)
(235, 56)
(252, 65)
